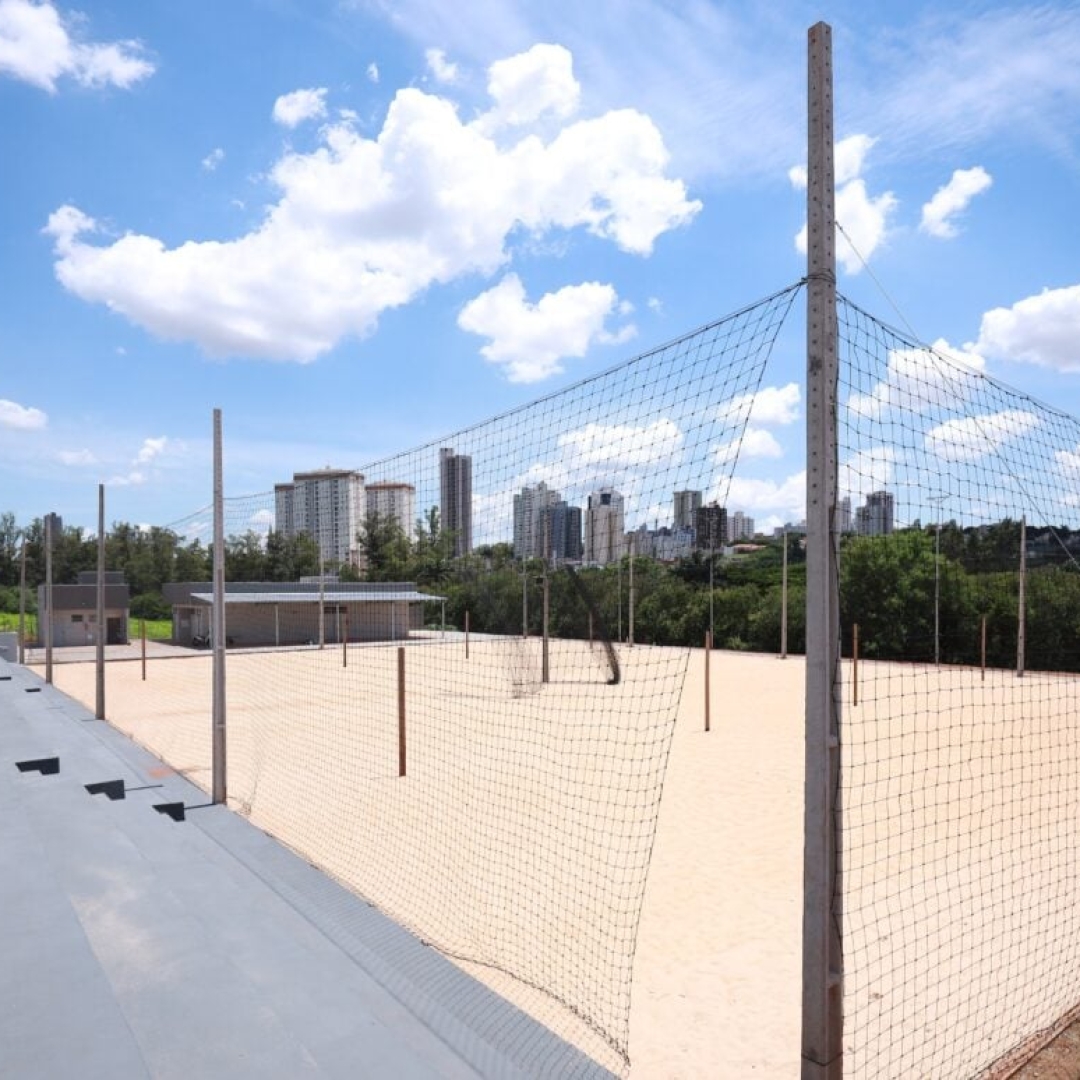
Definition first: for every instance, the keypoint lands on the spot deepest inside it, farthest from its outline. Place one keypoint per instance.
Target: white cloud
(787, 496)
(373, 72)
(953, 199)
(150, 449)
(363, 225)
(532, 339)
(213, 159)
(918, 380)
(608, 448)
(294, 108)
(76, 457)
(866, 471)
(970, 438)
(1042, 329)
(529, 86)
(755, 442)
(442, 69)
(36, 47)
(862, 219)
(21, 417)
(770, 405)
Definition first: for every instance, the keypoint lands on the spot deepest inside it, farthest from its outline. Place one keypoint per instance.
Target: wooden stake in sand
(708, 665)
(982, 648)
(345, 643)
(142, 638)
(401, 708)
(855, 664)
(466, 635)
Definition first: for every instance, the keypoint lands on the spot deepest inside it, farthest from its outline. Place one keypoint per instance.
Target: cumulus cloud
(862, 217)
(952, 199)
(531, 340)
(916, 380)
(21, 417)
(788, 496)
(441, 69)
(291, 110)
(363, 225)
(970, 438)
(770, 405)
(38, 48)
(150, 449)
(526, 87)
(213, 159)
(755, 443)
(1042, 329)
(373, 72)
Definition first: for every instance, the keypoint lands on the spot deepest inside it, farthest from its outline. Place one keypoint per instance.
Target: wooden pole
(708, 666)
(855, 664)
(783, 602)
(99, 643)
(142, 637)
(982, 649)
(822, 953)
(401, 708)
(1021, 606)
(466, 633)
(545, 656)
(345, 642)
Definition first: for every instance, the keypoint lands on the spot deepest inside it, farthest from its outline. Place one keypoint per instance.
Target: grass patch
(9, 623)
(156, 629)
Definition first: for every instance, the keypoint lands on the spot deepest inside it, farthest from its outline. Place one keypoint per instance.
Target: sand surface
(961, 832)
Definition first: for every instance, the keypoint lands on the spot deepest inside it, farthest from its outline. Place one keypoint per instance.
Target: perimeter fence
(959, 824)
(446, 682)
(453, 683)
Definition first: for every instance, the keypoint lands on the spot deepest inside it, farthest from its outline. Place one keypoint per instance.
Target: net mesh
(959, 828)
(395, 711)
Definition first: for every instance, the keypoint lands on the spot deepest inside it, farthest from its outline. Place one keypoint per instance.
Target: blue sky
(357, 227)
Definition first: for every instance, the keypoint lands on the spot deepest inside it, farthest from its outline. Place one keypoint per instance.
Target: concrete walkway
(135, 946)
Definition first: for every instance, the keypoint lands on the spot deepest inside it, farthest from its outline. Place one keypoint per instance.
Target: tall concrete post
(219, 788)
(822, 982)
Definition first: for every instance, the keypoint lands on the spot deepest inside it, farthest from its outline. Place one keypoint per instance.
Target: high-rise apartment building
(455, 498)
(710, 527)
(687, 503)
(388, 499)
(604, 527)
(530, 516)
(842, 524)
(740, 527)
(326, 504)
(875, 518)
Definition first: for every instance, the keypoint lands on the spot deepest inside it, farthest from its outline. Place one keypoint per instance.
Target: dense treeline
(891, 586)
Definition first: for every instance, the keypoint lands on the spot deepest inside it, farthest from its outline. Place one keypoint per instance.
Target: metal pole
(48, 599)
(1021, 609)
(99, 650)
(401, 708)
(822, 967)
(783, 602)
(219, 789)
(22, 603)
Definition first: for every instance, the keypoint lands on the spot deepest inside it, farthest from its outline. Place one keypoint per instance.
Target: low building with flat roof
(74, 611)
(262, 613)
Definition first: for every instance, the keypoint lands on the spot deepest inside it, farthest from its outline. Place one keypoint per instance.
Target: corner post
(822, 980)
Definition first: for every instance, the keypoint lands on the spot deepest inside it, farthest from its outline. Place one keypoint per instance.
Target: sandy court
(527, 810)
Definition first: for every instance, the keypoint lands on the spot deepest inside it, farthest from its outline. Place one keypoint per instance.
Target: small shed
(259, 613)
(74, 611)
